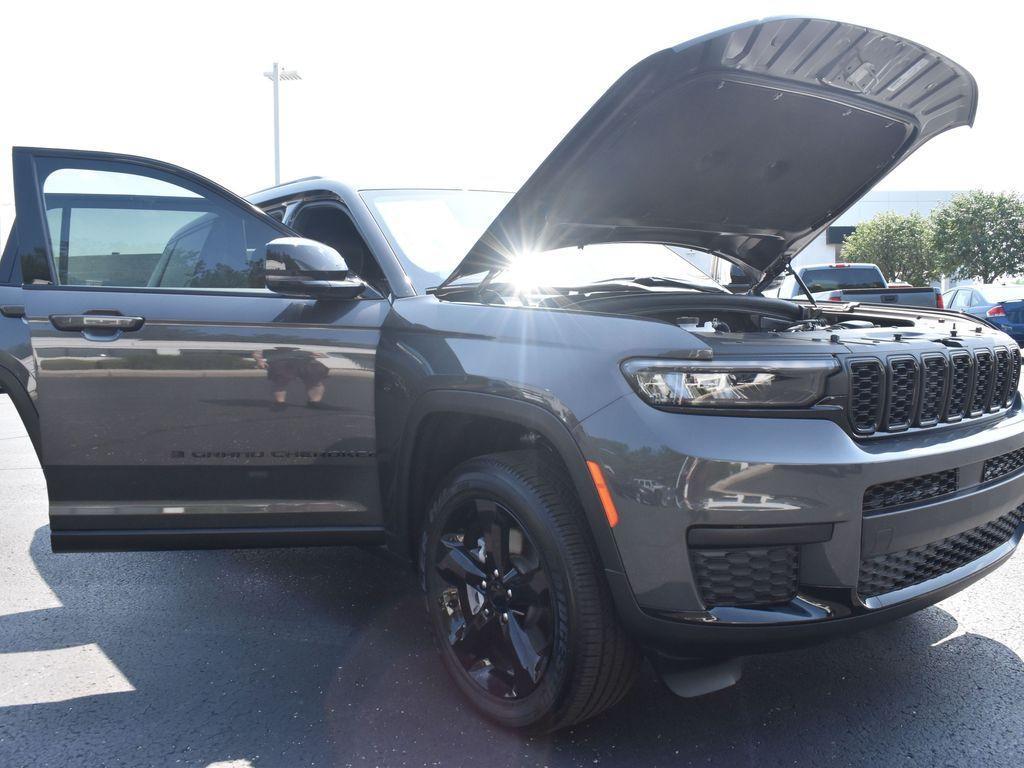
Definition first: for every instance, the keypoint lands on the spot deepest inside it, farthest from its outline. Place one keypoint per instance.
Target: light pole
(277, 74)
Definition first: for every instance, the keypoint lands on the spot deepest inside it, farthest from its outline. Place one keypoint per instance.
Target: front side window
(122, 228)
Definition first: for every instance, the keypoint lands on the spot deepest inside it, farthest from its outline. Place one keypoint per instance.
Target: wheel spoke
(527, 654)
(530, 588)
(468, 638)
(459, 567)
(496, 542)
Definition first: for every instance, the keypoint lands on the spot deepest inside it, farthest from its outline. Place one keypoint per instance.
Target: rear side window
(842, 278)
(994, 294)
(125, 229)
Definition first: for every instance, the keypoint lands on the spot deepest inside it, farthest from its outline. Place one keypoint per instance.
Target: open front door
(181, 403)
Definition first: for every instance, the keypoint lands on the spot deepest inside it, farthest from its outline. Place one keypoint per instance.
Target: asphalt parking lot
(321, 657)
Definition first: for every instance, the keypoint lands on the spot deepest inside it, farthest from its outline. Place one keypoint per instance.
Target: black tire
(558, 599)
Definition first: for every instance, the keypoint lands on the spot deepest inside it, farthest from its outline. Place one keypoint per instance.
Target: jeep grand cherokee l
(590, 450)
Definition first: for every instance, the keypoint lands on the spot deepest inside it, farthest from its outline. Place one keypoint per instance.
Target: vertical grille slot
(934, 370)
(1001, 378)
(866, 381)
(983, 380)
(902, 392)
(960, 365)
(1014, 377)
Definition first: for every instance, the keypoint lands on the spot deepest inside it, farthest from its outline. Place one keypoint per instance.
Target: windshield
(840, 278)
(603, 262)
(431, 230)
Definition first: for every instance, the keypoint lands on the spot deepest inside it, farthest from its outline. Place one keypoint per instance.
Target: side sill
(214, 538)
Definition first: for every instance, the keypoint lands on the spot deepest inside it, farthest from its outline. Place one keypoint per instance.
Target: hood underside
(745, 143)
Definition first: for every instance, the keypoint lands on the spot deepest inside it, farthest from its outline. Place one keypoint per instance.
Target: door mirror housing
(296, 266)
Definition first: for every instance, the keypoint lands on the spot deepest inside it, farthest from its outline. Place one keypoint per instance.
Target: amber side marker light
(603, 493)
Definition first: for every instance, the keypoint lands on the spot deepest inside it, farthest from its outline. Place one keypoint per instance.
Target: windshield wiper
(655, 281)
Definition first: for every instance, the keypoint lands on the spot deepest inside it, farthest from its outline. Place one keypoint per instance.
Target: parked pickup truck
(589, 450)
(854, 282)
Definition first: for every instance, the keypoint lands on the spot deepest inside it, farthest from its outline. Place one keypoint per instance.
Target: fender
(397, 518)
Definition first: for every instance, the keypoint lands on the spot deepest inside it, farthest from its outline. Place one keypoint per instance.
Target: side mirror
(295, 266)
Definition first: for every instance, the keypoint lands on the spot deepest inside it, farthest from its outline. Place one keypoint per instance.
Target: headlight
(730, 383)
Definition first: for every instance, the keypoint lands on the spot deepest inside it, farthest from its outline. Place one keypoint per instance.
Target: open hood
(745, 143)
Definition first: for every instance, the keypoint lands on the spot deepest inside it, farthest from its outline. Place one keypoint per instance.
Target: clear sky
(455, 94)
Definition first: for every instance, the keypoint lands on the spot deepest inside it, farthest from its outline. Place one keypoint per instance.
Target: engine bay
(721, 313)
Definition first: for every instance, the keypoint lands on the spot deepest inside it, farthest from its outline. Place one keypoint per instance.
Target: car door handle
(97, 322)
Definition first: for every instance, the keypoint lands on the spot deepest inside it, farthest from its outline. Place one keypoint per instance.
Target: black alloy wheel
(516, 596)
(496, 602)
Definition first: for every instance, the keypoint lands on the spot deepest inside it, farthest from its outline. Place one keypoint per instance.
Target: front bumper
(678, 479)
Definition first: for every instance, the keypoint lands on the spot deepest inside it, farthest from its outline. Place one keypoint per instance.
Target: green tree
(900, 246)
(980, 235)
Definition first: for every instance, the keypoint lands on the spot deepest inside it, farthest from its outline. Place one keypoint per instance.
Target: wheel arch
(402, 520)
(12, 386)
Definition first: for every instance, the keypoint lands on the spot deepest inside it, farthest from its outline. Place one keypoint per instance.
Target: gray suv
(590, 450)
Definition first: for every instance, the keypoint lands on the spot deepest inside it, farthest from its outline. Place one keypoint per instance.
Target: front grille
(899, 570)
(910, 491)
(1000, 466)
(906, 391)
(746, 577)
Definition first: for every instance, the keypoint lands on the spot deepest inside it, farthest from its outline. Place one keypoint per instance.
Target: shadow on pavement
(322, 657)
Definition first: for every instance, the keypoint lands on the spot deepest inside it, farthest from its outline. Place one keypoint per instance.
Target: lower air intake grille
(910, 491)
(1003, 465)
(899, 570)
(746, 577)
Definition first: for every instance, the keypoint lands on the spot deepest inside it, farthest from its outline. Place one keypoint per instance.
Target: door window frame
(292, 211)
(35, 250)
(320, 190)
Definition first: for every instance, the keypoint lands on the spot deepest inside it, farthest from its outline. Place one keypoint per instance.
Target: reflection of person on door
(287, 364)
